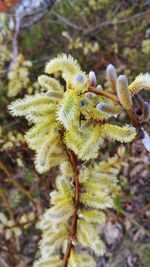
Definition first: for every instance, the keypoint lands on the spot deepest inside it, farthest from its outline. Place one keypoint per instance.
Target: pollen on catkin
(49, 83)
(80, 82)
(142, 81)
(64, 63)
(70, 125)
(123, 92)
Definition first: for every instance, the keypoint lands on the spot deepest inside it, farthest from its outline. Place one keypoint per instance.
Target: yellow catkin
(49, 83)
(123, 92)
(64, 63)
(142, 81)
(70, 126)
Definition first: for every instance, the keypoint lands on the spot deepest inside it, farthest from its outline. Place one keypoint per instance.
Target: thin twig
(114, 98)
(23, 190)
(7, 205)
(104, 93)
(111, 23)
(66, 21)
(12, 217)
(17, 184)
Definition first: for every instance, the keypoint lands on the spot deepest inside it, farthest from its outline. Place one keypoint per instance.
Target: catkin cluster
(71, 124)
(18, 75)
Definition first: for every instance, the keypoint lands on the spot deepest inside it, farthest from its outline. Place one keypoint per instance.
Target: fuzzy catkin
(112, 77)
(49, 83)
(92, 78)
(123, 92)
(70, 124)
(142, 81)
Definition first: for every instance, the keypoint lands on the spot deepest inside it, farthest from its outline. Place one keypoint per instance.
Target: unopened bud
(79, 78)
(92, 77)
(90, 95)
(80, 82)
(112, 77)
(99, 87)
(146, 111)
(104, 107)
(107, 108)
(99, 106)
(123, 92)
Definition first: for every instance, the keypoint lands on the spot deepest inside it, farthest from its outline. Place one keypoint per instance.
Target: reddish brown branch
(134, 119)
(7, 205)
(114, 98)
(73, 230)
(104, 93)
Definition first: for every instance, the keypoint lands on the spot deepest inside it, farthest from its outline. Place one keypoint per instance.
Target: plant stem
(134, 119)
(114, 98)
(73, 230)
(7, 205)
(104, 93)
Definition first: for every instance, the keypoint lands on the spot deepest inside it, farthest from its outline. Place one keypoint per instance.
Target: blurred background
(96, 32)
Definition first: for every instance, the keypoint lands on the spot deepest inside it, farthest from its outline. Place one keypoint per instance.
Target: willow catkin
(142, 81)
(123, 92)
(107, 108)
(54, 94)
(112, 77)
(49, 83)
(64, 63)
(92, 78)
(99, 87)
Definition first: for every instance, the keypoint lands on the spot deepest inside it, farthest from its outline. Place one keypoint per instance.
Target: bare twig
(111, 23)
(17, 184)
(7, 205)
(67, 22)
(22, 189)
